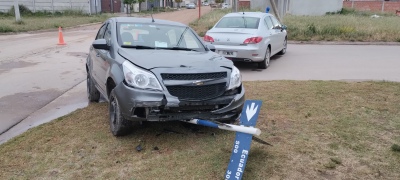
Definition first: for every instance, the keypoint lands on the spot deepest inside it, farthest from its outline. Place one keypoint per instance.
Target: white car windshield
(239, 22)
(158, 36)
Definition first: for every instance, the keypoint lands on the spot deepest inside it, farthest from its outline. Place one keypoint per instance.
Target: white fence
(87, 6)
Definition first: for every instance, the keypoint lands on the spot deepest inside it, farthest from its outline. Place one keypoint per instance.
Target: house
(300, 7)
(87, 6)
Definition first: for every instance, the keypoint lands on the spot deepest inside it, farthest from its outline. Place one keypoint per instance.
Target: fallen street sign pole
(229, 127)
(242, 143)
(244, 136)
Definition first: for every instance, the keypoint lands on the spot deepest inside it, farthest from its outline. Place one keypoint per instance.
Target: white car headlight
(139, 78)
(236, 78)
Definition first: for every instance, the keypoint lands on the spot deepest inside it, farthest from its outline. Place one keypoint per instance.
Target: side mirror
(284, 27)
(100, 44)
(211, 47)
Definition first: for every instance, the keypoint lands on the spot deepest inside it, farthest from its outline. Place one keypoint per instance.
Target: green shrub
(346, 11)
(4, 29)
(22, 10)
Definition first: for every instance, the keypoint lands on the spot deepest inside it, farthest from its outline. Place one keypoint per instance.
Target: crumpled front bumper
(145, 105)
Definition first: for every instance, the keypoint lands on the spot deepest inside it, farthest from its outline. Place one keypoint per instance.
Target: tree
(140, 2)
(275, 10)
(129, 3)
(16, 9)
(219, 1)
(179, 2)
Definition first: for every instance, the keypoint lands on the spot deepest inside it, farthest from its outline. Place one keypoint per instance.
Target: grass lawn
(319, 129)
(350, 26)
(32, 23)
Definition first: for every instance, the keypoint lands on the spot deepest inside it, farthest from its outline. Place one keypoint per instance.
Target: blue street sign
(242, 143)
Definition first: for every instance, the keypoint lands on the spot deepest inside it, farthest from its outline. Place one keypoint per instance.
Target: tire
(283, 51)
(119, 126)
(264, 64)
(92, 92)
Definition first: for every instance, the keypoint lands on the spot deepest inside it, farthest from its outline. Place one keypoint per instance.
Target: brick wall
(373, 5)
(244, 4)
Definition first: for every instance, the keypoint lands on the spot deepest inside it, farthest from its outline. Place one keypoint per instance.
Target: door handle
(98, 55)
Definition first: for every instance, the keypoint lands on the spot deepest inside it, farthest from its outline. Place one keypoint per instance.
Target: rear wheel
(283, 51)
(264, 64)
(119, 126)
(92, 92)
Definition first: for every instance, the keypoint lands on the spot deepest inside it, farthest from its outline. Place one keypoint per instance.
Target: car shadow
(246, 66)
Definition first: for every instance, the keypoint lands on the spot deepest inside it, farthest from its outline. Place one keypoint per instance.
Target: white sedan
(248, 37)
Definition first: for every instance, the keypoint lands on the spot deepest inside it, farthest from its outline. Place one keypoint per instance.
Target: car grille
(197, 92)
(197, 76)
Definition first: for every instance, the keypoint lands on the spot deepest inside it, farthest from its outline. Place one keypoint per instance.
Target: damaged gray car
(157, 70)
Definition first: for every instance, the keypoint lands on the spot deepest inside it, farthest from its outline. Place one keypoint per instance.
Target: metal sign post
(244, 136)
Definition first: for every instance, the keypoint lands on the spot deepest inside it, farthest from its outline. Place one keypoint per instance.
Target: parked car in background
(190, 6)
(248, 37)
(206, 4)
(157, 70)
(225, 6)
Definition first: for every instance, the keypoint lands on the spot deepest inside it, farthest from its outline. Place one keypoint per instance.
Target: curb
(344, 43)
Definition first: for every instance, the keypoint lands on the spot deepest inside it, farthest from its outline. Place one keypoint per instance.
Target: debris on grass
(139, 148)
(336, 160)
(396, 148)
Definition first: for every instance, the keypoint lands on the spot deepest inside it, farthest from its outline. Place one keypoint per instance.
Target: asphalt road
(40, 81)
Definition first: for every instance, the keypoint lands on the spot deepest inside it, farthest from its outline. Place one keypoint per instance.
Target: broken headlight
(236, 78)
(139, 78)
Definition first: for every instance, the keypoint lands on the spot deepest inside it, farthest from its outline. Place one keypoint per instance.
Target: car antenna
(152, 19)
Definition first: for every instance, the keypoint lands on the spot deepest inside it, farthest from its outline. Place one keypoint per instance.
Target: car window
(275, 22)
(158, 36)
(239, 22)
(100, 34)
(268, 22)
(107, 34)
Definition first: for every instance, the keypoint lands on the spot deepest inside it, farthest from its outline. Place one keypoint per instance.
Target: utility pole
(199, 4)
(16, 9)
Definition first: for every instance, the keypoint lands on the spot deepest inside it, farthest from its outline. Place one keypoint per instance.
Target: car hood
(153, 58)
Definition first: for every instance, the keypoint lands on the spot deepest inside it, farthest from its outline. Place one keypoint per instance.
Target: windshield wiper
(179, 48)
(138, 47)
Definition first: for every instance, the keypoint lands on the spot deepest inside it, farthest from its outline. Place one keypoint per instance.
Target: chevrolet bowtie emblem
(198, 83)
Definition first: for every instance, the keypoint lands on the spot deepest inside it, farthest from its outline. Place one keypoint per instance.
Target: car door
(279, 34)
(273, 35)
(104, 58)
(95, 59)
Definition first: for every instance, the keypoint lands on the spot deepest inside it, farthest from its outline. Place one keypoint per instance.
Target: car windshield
(239, 22)
(156, 36)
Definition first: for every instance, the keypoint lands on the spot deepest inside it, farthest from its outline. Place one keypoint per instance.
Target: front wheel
(119, 126)
(264, 64)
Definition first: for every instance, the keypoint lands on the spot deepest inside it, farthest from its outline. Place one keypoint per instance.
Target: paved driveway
(330, 62)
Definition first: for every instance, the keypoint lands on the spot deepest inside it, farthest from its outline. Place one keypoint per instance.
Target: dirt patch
(7, 66)
(78, 54)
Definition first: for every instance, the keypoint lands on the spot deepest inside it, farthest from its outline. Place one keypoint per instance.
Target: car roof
(146, 20)
(246, 14)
